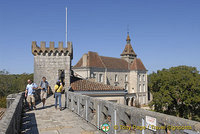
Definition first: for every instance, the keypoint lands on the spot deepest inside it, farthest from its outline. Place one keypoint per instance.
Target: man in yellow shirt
(58, 89)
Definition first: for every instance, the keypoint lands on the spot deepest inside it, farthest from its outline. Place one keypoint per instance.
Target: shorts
(30, 98)
(43, 95)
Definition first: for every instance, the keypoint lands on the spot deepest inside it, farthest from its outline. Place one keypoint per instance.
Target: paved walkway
(52, 121)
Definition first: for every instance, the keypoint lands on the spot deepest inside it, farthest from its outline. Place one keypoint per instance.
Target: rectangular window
(100, 77)
(144, 88)
(140, 77)
(126, 78)
(116, 78)
(140, 90)
(143, 77)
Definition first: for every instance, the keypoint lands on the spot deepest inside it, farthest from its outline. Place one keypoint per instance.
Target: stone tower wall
(49, 60)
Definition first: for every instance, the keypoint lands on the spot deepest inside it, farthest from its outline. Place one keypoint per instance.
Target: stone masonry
(94, 111)
(50, 61)
(127, 72)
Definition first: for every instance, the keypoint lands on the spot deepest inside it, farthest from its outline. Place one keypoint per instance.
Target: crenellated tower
(52, 62)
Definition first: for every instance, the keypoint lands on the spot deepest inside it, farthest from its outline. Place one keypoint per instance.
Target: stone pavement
(52, 121)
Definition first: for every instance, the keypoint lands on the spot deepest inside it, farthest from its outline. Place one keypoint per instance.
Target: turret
(128, 54)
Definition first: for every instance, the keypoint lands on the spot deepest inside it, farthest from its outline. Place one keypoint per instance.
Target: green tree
(176, 91)
(11, 83)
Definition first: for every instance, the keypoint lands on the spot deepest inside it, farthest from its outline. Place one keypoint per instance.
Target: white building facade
(127, 72)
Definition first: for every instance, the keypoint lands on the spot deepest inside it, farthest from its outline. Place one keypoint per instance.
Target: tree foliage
(12, 83)
(176, 91)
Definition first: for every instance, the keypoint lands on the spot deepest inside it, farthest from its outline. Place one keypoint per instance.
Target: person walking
(44, 86)
(58, 89)
(29, 93)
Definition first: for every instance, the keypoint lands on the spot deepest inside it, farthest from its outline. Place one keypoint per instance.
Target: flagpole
(66, 26)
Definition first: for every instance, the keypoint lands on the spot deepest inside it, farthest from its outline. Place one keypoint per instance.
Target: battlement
(51, 50)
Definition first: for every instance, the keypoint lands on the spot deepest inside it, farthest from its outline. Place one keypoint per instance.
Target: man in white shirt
(29, 93)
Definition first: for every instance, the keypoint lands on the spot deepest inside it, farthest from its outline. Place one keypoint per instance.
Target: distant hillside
(11, 83)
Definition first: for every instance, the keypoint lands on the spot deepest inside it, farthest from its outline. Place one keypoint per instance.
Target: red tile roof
(2, 111)
(79, 63)
(128, 50)
(114, 63)
(94, 60)
(137, 65)
(86, 85)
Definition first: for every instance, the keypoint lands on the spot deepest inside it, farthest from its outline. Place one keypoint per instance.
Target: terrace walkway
(97, 112)
(52, 121)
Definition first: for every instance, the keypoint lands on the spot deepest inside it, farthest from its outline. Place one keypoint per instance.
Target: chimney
(84, 60)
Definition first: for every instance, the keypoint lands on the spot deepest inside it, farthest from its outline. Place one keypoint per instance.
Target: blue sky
(164, 33)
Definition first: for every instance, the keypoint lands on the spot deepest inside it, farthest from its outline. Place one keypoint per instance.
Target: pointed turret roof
(128, 48)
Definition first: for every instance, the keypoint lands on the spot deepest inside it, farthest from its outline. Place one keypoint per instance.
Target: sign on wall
(151, 123)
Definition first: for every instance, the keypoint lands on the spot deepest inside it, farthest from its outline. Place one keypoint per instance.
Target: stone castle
(125, 77)
(51, 62)
(127, 72)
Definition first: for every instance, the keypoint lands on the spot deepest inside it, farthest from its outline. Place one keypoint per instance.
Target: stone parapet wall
(49, 62)
(98, 112)
(52, 50)
(11, 121)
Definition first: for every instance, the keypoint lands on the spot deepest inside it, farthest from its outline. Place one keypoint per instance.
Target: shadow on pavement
(29, 125)
(41, 108)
